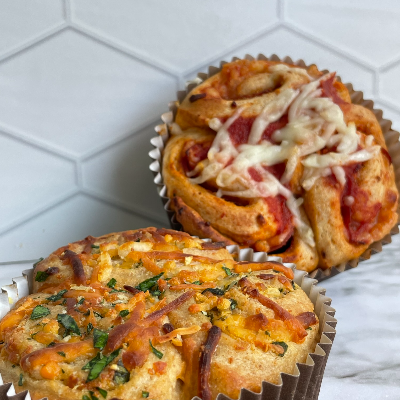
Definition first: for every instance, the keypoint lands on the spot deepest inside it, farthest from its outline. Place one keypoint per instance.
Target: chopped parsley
(149, 283)
(69, 324)
(89, 327)
(95, 246)
(39, 312)
(21, 379)
(309, 328)
(293, 285)
(283, 345)
(215, 292)
(155, 291)
(233, 304)
(61, 353)
(102, 392)
(267, 333)
(139, 264)
(122, 375)
(124, 313)
(111, 283)
(99, 339)
(196, 283)
(92, 396)
(97, 314)
(41, 276)
(156, 352)
(98, 363)
(84, 397)
(145, 394)
(57, 296)
(80, 302)
(51, 344)
(227, 270)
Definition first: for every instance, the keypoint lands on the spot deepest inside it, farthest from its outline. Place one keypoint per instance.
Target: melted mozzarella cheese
(314, 123)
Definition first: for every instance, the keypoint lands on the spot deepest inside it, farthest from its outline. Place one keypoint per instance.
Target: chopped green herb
(39, 312)
(111, 283)
(51, 344)
(29, 338)
(97, 314)
(99, 339)
(57, 296)
(281, 290)
(64, 302)
(84, 397)
(267, 333)
(41, 276)
(61, 353)
(227, 271)
(137, 240)
(196, 283)
(92, 396)
(149, 283)
(156, 352)
(37, 262)
(276, 271)
(139, 264)
(145, 394)
(124, 313)
(233, 304)
(102, 392)
(69, 324)
(155, 291)
(98, 363)
(89, 327)
(62, 371)
(21, 379)
(230, 285)
(215, 292)
(122, 375)
(86, 313)
(283, 345)
(309, 328)
(293, 285)
(94, 246)
(80, 302)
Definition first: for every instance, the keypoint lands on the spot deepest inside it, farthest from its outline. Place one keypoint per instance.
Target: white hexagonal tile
(369, 29)
(389, 84)
(176, 33)
(76, 94)
(127, 178)
(287, 43)
(30, 179)
(70, 221)
(22, 20)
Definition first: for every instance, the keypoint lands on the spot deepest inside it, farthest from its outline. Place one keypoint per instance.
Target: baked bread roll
(276, 157)
(154, 313)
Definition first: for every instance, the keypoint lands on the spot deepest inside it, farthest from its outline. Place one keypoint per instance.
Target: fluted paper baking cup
(303, 384)
(357, 97)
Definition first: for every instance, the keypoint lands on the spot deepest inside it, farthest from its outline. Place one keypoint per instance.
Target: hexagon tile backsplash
(83, 82)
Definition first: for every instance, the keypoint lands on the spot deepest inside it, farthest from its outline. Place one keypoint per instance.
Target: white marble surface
(365, 359)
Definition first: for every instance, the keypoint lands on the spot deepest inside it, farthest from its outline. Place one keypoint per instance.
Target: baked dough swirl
(276, 157)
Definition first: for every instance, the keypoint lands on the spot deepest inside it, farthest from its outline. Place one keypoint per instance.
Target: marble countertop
(365, 359)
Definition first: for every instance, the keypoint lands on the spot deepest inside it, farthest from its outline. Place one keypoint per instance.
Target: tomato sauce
(360, 217)
(194, 154)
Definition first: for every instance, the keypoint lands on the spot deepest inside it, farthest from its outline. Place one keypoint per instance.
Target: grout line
(18, 262)
(36, 213)
(390, 64)
(67, 10)
(281, 10)
(78, 174)
(340, 52)
(114, 142)
(219, 56)
(40, 145)
(122, 49)
(44, 36)
(122, 206)
(387, 103)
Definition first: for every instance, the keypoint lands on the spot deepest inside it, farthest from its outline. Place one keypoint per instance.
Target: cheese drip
(314, 123)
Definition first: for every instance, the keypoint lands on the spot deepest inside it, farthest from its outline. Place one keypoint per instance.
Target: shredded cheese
(314, 123)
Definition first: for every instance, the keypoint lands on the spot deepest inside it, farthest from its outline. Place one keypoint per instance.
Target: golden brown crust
(202, 287)
(263, 224)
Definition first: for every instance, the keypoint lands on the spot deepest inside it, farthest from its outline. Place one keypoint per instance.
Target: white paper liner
(303, 384)
(357, 97)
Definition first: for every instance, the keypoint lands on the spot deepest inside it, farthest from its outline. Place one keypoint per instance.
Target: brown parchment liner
(303, 384)
(391, 139)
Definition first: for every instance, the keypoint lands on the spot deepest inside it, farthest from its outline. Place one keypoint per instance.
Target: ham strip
(307, 319)
(244, 266)
(290, 321)
(214, 335)
(77, 267)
